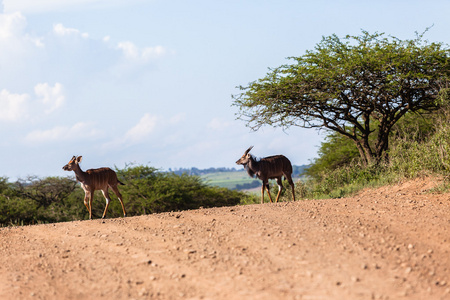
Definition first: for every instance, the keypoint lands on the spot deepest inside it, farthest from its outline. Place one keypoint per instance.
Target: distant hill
(231, 178)
(200, 172)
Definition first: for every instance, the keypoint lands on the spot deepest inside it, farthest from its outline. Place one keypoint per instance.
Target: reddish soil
(385, 243)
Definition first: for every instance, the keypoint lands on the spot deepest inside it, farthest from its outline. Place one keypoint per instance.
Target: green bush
(410, 159)
(149, 191)
(17, 211)
(335, 152)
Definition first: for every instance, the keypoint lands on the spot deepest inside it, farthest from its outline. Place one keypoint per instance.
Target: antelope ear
(79, 158)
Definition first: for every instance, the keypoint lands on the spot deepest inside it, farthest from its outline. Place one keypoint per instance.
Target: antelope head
(245, 158)
(71, 164)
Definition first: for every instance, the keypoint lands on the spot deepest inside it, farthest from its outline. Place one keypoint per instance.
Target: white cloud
(135, 54)
(13, 106)
(12, 25)
(17, 107)
(13, 39)
(19, 51)
(142, 130)
(66, 51)
(51, 97)
(135, 57)
(60, 30)
(78, 131)
(139, 133)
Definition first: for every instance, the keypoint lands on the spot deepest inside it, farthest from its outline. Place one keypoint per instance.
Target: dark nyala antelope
(93, 180)
(271, 167)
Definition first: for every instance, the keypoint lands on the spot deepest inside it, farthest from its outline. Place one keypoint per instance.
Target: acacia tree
(357, 86)
(45, 191)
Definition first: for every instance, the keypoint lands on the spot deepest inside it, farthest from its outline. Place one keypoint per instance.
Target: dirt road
(387, 243)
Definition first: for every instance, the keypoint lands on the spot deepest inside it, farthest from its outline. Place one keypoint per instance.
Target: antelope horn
(248, 150)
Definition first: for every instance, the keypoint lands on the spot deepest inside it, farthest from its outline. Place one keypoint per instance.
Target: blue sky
(150, 82)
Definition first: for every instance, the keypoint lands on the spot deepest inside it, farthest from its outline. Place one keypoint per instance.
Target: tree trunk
(382, 145)
(365, 152)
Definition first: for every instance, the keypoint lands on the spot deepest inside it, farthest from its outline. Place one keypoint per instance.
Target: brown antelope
(93, 180)
(271, 167)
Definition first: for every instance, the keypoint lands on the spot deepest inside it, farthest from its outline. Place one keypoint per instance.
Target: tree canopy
(357, 86)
